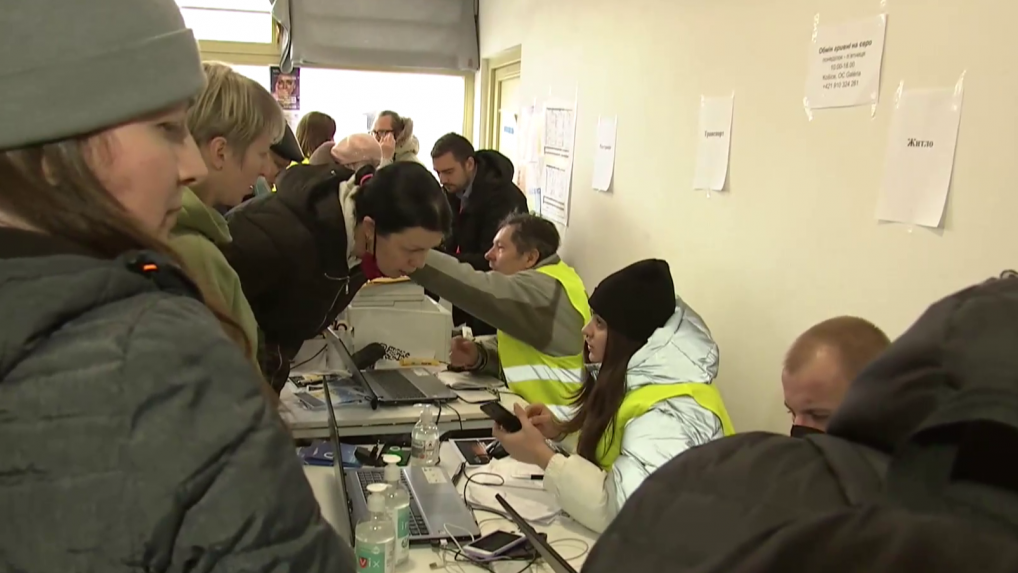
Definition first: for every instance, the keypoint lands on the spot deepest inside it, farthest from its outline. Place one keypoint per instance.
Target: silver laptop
(436, 508)
(396, 387)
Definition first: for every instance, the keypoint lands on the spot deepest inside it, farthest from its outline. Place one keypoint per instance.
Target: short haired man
(482, 194)
(820, 365)
(537, 303)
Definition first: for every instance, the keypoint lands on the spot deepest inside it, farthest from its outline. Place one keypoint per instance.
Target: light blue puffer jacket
(680, 351)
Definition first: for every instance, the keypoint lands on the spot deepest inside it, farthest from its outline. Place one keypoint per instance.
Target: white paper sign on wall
(715, 137)
(920, 156)
(844, 64)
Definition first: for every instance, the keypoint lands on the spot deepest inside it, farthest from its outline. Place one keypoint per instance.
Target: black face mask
(803, 431)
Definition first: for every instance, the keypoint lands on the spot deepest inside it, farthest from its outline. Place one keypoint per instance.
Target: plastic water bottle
(424, 440)
(376, 535)
(398, 501)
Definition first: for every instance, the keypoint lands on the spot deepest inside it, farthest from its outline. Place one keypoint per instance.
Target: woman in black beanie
(646, 398)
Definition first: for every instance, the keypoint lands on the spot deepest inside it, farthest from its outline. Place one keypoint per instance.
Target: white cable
(586, 547)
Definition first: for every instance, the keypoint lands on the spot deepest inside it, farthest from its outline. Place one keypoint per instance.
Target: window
(434, 102)
(247, 21)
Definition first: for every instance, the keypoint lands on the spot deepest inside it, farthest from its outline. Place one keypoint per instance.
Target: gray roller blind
(418, 34)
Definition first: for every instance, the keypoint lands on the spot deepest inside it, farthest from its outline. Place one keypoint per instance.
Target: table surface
(571, 540)
(360, 419)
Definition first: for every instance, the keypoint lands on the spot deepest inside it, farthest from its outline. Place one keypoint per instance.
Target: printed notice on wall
(557, 157)
(920, 156)
(715, 138)
(604, 153)
(844, 63)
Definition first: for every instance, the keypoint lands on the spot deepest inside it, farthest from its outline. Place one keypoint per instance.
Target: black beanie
(637, 300)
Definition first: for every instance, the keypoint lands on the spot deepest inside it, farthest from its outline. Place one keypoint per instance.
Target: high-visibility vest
(538, 377)
(637, 402)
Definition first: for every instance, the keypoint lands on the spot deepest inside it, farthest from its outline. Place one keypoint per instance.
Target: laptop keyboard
(417, 526)
(397, 385)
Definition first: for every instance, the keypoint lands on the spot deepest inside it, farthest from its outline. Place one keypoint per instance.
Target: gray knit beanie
(71, 67)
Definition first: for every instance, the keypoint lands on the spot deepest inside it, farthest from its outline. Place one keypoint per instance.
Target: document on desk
(527, 495)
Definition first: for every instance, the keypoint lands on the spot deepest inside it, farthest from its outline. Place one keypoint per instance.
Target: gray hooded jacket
(133, 432)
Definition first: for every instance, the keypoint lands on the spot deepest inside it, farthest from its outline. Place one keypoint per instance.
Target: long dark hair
(401, 196)
(78, 208)
(599, 399)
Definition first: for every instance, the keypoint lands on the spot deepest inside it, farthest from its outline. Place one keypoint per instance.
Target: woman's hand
(542, 419)
(527, 445)
(388, 144)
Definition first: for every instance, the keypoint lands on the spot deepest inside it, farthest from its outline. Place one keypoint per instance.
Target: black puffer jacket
(476, 221)
(713, 501)
(134, 434)
(290, 251)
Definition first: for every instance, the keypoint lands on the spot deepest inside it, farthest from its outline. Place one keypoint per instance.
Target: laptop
(396, 387)
(550, 556)
(435, 504)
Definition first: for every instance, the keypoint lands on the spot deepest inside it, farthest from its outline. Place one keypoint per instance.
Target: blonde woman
(135, 435)
(234, 121)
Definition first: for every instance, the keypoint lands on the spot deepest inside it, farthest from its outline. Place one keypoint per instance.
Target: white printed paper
(844, 63)
(555, 194)
(920, 156)
(557, 157)
(715, 138)
(604, 154)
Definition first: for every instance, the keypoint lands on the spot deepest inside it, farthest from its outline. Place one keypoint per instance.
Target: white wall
(795, 240)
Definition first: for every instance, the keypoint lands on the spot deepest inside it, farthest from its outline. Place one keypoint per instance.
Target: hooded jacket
(407, 149)
(718, 501)
(135, 435)
(477, 216)
(292, 252)
(197, 238)
(681, 351)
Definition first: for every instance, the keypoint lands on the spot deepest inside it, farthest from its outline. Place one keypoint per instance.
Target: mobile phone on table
(503, 417)
(493, 545)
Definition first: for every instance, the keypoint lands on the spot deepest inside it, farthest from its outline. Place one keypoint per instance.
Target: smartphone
(493, 545)
(503, 417)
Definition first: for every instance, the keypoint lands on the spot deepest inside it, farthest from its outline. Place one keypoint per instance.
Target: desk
(323, 483)
(361, 420)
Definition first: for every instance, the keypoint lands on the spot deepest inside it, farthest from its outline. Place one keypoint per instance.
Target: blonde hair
(234, 107)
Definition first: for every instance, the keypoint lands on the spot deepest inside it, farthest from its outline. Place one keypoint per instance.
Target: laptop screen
(342, 525)
(552, 557)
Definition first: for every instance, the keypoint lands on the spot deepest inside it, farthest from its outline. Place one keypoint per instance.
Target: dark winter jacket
(290, 250)
(725, 499)
(135, 436)
(476, 219)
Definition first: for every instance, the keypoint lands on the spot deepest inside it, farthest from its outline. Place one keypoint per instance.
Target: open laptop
(550, 556)
(435, 505)
(396, 387)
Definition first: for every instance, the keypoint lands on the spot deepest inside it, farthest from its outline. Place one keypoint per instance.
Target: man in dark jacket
(289, 249)
(714, 503)
(482, 194)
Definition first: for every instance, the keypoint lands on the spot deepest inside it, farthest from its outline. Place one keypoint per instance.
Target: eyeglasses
(381, 132)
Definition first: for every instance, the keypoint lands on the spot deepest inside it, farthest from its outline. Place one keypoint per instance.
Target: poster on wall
(920, 156)
(285, 87)
(557, 158)
(530, 129)
(844, 63)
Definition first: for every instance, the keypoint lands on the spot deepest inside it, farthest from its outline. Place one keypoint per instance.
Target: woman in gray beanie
(135, 434)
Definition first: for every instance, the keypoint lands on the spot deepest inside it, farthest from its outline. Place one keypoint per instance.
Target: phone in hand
(494, 545)
(503, 417)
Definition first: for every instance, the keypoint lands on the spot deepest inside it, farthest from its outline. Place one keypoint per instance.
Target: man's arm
(529, 305)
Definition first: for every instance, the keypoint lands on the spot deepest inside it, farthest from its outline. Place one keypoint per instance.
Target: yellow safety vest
(637, 402)
(538, 377)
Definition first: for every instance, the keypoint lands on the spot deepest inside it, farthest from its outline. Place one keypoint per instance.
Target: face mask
(803, 431)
